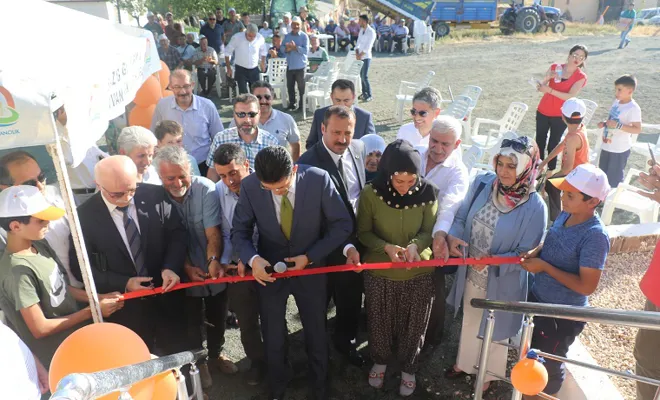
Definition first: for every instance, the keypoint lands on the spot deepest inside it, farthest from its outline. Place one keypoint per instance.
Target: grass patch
(572, 29)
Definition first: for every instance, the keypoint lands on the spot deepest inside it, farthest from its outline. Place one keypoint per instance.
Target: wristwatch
(210, 260)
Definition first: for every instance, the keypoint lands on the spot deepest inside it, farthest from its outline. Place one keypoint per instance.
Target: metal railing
(87, 386)
(636, 319)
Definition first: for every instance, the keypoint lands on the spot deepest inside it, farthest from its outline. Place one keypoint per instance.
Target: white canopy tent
(93, 66)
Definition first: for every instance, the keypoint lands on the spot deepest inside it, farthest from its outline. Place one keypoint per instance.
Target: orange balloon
(529, 376)
(165, 387)
(98, 347)
(164, 75)
(167, 93)
(149, 93)
(141, 116)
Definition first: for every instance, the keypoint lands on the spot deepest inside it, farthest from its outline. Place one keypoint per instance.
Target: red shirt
(650, 283)
(550, 106)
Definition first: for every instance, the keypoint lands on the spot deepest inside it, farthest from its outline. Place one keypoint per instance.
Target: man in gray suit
(343, 159)
(301, 219)
(342, 94)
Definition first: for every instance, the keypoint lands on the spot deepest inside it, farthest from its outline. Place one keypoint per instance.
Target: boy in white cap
(34, 291)
(575, 149)
(568, 265)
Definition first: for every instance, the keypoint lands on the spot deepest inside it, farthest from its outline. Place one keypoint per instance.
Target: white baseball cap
(296, 19)
(24, 201)
(574, 106)
(585, 178)
(150, 14)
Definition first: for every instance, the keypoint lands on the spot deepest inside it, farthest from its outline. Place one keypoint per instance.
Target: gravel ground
(612, 346)
(502, 67)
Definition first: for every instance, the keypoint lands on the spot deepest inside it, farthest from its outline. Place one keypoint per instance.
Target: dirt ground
(502, 67)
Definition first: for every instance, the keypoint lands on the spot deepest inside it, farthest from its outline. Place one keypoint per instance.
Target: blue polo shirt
(296, 59)
(568, 249)
(214, 36)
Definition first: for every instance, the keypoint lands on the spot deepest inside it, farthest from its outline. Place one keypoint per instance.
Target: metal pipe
(483, 358)
(620, 374)
(196, 382)
(637, 319)
(509, 345)
(92, 385)
(525, 344)
(182, 390)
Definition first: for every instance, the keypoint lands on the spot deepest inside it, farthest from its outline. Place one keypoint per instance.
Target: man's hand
(651, 181)
(110, 306)
(440, 247)
(300, 262)
(169, 279)
(272, 53)
(111, 295)
(601, 125)
(353, 258)
(263, 66)
(259, 265)
(533, 265)
(611, 123)
(195, 274)
(215, 270)
(136, 283)
(229, 71)
(42, 376)
(454, 245)
(396, 253)
(533, 253)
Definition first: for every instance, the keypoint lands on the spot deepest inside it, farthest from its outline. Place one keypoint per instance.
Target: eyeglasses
(279, 190)
(118, 195)
(211, 19)
(243, 114)
(265, 96)
(41, 179)
(422, 113)
(578, 57)
(184, 87)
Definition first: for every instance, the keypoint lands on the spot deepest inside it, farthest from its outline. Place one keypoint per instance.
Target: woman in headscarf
(502, 215)
(374, 146)
(395, 222)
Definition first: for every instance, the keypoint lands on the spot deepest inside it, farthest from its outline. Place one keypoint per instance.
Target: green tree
(132, 7)
(184, 8)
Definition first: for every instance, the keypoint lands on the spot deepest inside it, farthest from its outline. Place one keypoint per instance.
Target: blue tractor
(531, 19)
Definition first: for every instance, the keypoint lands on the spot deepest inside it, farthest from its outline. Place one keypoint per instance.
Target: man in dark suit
(301, 219)
(135, 239)
(343, 159)
(342, 94)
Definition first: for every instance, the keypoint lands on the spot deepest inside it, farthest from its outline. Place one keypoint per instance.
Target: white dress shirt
(452, 179)
(59, 233)
(151, 176)
(352, 182)
(365, 41)
(228, 201)
(246, 54)
(411, 134)
(18, 371)
(118, 219)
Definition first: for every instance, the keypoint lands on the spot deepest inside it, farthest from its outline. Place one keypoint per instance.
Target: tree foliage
(133, 7)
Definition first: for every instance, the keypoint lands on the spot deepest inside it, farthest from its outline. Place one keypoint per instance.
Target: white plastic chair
(406, 92)
(459, 108)
(350, 59)
(624, 197)
(277, 77)
(318, 95)
(471, 157)
(508, 123)
(490, 152)
(591, 109)
(353, 75)
(473, 92)
(643, 148)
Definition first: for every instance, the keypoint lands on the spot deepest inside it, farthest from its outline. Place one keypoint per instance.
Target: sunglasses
(265, 96)
(211, 19)
(516, 145)
(578, 57)
(422, 114)
(41, 179)
(246, 114)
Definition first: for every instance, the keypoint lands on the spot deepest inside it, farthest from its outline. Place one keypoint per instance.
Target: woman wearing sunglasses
(502, 215)
(562, 82)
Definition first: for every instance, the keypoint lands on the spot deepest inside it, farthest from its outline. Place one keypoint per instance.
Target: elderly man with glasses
(245, 132)
(198, 116)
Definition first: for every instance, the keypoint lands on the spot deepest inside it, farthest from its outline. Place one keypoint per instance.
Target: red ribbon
(338, 268)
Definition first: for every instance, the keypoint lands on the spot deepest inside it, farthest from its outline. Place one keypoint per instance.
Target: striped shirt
(230, 135)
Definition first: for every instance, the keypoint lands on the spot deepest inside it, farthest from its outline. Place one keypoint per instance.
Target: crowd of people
(189, 200)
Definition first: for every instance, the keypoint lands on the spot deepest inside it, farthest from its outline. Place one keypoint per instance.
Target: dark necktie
(342, 174)
(134, 241)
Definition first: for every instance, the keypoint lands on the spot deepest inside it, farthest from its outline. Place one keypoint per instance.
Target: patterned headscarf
(525, 153)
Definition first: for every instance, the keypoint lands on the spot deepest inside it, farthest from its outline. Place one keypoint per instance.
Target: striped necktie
(134, 241)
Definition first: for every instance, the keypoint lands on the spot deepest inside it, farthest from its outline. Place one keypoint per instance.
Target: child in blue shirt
(568, 265)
